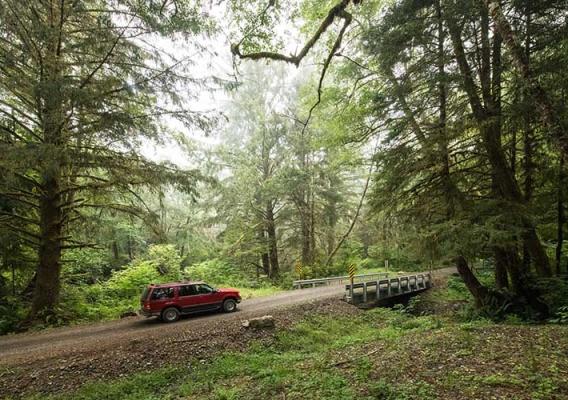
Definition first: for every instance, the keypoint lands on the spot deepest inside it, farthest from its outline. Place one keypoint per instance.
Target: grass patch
(386, 354)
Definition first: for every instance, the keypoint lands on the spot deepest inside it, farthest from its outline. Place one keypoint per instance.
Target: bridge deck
(387, 288)
(373, 287)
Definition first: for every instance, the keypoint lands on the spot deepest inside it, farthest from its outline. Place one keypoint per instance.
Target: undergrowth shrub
(122, 291)
(220, 272)
(561, 316)
(12, 311)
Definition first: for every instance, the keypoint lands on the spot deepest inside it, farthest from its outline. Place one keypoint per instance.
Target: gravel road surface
(62, 359)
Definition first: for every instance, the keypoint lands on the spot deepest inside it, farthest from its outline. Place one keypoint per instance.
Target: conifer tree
(82, 88)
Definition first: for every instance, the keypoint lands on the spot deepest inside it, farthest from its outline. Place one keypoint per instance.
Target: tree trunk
(115, 251)
(521, 286)
(306, 240)
(3, 281)
(448, 186)
(535, 248)
(543, 104)
(272, 242)
(489, 121)
(304, 210)
(510, 191)
(501, 268)
(331, 238)
(265, 260)
(129, 246)
(528, 181)
(560, 215)
(502, 255)
(46, 293)
(528, 140)
(479, 292)
(312, 219)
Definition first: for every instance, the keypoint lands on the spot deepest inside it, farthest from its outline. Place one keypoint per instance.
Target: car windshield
(145, 293)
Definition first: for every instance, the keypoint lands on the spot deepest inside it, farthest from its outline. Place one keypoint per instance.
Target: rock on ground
(263, 322)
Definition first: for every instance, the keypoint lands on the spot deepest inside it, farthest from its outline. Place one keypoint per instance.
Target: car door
(187, 298)
(207, 296)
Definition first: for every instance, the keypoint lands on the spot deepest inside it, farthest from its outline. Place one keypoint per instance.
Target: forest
(153, 141)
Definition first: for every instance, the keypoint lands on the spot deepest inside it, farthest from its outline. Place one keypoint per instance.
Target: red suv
(170, 300)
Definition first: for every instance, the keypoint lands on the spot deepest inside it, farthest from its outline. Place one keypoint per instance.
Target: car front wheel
(170, 314)
(229, 305)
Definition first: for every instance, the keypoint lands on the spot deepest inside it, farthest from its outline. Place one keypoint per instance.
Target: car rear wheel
(170, 314)
(229, 305)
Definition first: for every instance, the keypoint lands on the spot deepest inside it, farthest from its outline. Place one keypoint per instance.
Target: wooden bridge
(373, 288)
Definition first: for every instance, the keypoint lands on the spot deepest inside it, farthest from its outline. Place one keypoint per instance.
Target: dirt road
(63, 359)
(50, 343)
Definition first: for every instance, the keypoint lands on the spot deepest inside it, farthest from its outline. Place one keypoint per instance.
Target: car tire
(229, 305)
(170, 314)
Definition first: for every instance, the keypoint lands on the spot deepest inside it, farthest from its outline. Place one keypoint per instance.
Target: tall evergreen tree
(82, 88)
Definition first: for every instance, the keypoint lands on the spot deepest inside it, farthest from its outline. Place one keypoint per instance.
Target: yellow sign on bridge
(351, 270)
(299, 269)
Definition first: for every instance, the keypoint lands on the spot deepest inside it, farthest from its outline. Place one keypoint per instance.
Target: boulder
(264, 322)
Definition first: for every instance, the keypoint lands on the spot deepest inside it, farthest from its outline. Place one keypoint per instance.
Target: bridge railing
(336, 280)
(389, 287)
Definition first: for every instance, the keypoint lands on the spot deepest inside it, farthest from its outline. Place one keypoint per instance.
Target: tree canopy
(316, 134)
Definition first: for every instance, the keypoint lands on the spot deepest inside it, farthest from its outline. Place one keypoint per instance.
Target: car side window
(163, 293)
(204, 289)
(187, 290)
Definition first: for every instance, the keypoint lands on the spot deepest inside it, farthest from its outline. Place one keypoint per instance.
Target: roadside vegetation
(119, 295)
(90, 295)
(435, 347)
(427, 133)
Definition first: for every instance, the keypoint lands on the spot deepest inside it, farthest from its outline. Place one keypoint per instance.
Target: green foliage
(283, 186)
(12, 311)
(561, 316)
(217, 271)
(383, 390)
(122, 291)
(161, 264)
(86, 266)
(554, 292)
(221, 273)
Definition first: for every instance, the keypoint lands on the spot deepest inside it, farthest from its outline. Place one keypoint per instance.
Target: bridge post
(378, 294)
(364, 292)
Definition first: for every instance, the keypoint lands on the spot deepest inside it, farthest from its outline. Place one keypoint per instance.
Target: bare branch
(338, 11)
